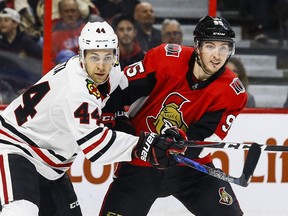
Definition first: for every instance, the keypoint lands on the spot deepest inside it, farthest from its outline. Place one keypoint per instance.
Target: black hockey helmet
(214, 28)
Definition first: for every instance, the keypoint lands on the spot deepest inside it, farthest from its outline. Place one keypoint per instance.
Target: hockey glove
(157, 149)
(179, 135)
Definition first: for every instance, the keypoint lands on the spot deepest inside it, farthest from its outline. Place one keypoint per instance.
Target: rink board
(266, 194)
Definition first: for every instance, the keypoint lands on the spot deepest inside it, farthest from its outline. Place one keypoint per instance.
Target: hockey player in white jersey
(42, 130)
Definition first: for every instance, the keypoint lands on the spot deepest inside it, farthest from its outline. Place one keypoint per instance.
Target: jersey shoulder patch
(173, 50)
(237, 86)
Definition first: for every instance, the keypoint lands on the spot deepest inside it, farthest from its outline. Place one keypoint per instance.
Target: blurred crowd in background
(22, 25)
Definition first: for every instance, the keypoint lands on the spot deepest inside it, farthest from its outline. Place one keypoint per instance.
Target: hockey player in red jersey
(191, 89)
(42, 130)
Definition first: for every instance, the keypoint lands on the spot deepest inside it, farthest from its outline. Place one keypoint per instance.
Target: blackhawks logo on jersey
(169, 115)
(92, 88)
(225, 198)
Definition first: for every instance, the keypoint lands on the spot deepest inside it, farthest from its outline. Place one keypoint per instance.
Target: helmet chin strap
(200, 63)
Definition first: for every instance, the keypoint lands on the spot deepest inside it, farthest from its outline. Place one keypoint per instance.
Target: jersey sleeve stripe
(95, 144)
(90, 135)
(105, 149)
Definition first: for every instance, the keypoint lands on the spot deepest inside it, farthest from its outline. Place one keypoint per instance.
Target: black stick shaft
(233, 145)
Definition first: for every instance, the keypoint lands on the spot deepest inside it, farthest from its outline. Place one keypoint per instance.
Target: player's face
(98, 64)
(213, 55)
(126, 32)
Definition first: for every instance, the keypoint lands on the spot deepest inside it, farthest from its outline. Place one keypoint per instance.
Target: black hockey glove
(179, 135)
(157, 149)
(122, 123)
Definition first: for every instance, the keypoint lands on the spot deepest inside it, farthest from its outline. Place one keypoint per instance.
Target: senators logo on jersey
(225, 198)
(169, 115)
(92, 88)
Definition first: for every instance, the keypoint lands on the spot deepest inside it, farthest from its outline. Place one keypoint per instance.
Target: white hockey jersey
(57, 117)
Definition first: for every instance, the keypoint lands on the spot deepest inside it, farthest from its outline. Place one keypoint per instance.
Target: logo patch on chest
(92, 88)
(169, 115)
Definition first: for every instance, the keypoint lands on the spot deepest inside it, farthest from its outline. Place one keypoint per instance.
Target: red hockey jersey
(165, 94)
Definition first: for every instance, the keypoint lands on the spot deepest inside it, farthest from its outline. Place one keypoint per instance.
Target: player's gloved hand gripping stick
(157, 149)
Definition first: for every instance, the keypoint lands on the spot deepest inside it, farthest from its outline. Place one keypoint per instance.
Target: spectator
(112, 8)
(87, 9)
(64, 55)
(147, 35)
(236, 65)
(13, 39)
(7, 92)
(130, 50)
(264, 20)
(67, 29)
(171, 32)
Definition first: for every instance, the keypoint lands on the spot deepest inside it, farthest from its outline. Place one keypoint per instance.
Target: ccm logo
(147, 146)
(74, 205)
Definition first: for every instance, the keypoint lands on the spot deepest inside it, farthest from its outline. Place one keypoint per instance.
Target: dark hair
(120, 18)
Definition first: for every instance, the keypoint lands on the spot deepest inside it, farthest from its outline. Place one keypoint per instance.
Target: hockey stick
(248, 169)
(232, 145)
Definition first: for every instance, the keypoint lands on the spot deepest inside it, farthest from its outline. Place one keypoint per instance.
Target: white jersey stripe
(6, 192)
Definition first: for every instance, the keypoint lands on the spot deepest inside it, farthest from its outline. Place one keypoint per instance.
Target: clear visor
(223, 49)
(98, 58)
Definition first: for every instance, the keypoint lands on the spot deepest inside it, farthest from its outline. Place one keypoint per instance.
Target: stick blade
(250, 163)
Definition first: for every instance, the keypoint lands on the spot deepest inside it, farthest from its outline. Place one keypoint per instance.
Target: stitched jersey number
(134, 69)
(30, 99)
(229, 121)
(82, 113)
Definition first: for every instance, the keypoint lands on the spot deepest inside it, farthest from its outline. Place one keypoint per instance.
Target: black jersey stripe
(16, 145)
(26, 139)
(26, 152)
(105, 149)
(16, 132)
(90, 135)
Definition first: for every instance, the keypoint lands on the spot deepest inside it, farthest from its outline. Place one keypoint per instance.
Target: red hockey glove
(157, 149)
